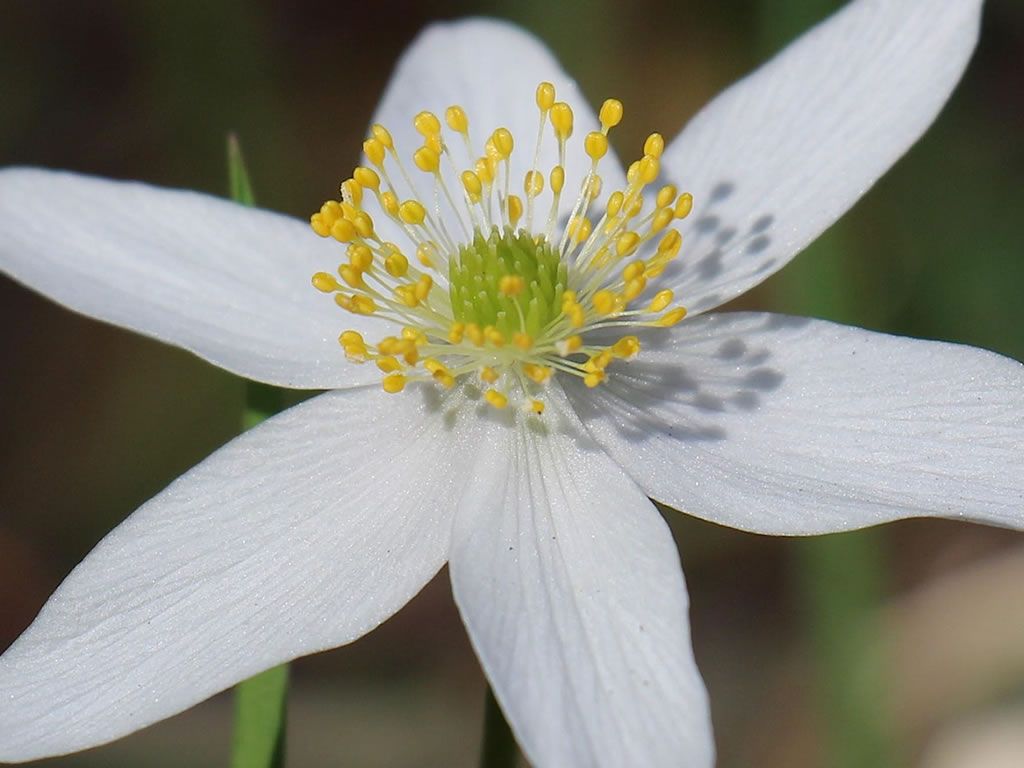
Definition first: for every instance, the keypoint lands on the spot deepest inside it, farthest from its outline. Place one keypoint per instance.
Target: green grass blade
(261, 702)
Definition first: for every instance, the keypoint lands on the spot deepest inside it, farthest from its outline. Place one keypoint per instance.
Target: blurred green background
(915, 631)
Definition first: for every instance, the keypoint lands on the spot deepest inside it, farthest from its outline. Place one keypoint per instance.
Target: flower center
(489, 293)
(510, 281)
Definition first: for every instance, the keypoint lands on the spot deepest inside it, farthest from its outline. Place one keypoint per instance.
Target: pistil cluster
(508, 296)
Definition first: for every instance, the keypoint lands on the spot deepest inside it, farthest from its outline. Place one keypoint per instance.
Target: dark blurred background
(926, 647)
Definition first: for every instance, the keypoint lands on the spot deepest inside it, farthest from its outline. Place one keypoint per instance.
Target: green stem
(261, 702)
(498, 749)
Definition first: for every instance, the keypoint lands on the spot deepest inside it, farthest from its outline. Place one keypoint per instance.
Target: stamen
(501, 302)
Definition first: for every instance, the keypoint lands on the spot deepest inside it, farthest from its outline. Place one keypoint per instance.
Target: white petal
(303, 534)
(492, 69)
(231, 284)
(789, 425)
(570, 585)
(776, 159)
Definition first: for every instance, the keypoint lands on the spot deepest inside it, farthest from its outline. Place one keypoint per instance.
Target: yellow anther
(331, 211)
(522, 340)
(456, 118)
(493, 335)
(363, 224)
(671, 317)
(360, 257)
(456, 332)
(577, 317)
(412, 212)
(394, 383)
(594, 184)
(537, 406)
(353, 277)
(406, 295)
(604, 302)
(348, 210)
(633, 172)
(661, 219)
(503, 142)
(633, 270)
(610, 114)
(568, 297)
(325, 282)
(545, 96)
(596, 145)
(537, 373)
(670, 244)
(649, 169)
(485, 168)
(496, 398)
(426, 254)
(684, 205)
(444, 378)
(411, 354)
(654, 145)
(343, 231)
(356, 353)
(426, 159)
(491, 149)
(389, 202)
(594, 378)
(381, 134)
(579, 228)
(601, 360)
(321, 227)
(488, 374)
(343, 300)
(374, 151)
(633, 289)
(389, 345)
(432, 365)
(362, 305)
(352, 192)
(388, 364)
(515, 209)
(626, 347)
(574, 343)
(561, 120)
(626, 243)
(366, 177)
(474, 333)
(615, 200)
(533, 184)
(396, 264)
(427, 124)
(661, 300)
(471, 183)
(557, 179)
(351, 337)
(423, 286)
(511, 285)
(665, 196)
(415, 335)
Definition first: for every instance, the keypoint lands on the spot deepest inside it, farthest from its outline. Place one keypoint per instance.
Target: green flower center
(511, 281)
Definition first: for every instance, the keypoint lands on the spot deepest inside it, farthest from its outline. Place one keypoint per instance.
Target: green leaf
(238, 175)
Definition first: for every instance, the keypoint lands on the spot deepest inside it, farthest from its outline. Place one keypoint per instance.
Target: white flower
(310, 530)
